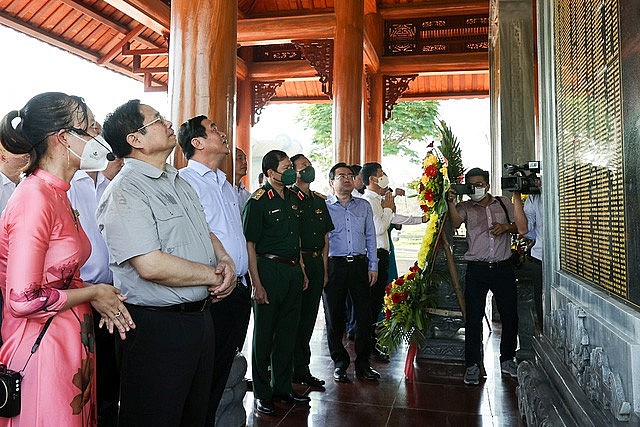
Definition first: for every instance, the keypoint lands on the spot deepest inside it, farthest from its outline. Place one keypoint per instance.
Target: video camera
(461, 189)
(523, 179)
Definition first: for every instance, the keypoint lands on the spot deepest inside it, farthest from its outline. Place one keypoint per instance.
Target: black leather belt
(312, 254)
(277, 258)
(490, 264)
(349, 258)
(185, 307)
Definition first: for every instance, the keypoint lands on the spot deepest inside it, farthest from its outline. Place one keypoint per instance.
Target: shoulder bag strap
(504, 208)
(38, 340)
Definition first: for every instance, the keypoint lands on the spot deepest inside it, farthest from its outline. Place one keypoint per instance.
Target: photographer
(487, 219)
(528, 217)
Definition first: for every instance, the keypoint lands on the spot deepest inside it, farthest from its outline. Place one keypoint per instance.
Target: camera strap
(504, 208)
(37, 343)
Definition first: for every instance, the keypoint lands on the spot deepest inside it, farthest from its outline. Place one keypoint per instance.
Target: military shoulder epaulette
(322, 196)
(258, 193)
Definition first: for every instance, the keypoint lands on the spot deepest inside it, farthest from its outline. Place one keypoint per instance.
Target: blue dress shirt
(354, 232)
(220, 203)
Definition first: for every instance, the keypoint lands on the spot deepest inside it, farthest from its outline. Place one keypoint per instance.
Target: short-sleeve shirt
(147, 209)
(484, 246)
(315, 219)
(533, 212)
(273, 223)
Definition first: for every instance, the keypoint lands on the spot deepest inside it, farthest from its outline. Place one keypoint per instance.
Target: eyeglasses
(342, 176)
(158, 118)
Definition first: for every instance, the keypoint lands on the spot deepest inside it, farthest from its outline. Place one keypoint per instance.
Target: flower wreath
(405, 300)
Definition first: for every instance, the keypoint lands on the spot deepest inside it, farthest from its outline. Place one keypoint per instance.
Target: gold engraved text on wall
(590, 151)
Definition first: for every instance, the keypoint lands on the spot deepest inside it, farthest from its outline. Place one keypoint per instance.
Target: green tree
(412, 122)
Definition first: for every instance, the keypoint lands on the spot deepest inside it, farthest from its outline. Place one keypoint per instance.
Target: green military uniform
(317, 223)
(273, 224)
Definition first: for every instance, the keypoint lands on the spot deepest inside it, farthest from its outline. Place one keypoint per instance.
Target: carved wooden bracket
(319, 53)
(367, 79)
(394, 87)
(261, 93)
(147, 72)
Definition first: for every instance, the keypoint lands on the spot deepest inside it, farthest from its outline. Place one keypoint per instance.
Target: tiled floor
(393, 401)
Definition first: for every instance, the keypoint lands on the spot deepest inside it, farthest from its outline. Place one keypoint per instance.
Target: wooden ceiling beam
(370, 6)
(261, 31)
(117, 49)
(448, 62)
(283, 70)
(40, 34)
(105, 20)
(95, 15)
(242, 70)
(154, 14)
(45, 36)
(436, 8)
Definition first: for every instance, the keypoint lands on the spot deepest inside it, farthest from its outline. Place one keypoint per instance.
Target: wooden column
(347, 84)
(372, 108)
(202, 72)
(372, 117)
(243, 120)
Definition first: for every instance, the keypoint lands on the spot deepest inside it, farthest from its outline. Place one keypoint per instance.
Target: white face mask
(94, 155)
(383, 181)
(479, 194)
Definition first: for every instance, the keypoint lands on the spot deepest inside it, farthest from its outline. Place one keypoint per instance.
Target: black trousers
(501, 281)
(166, 369)
(230, 321)
(533, 267)
(378, 290)
(352, 278)
(107, 374)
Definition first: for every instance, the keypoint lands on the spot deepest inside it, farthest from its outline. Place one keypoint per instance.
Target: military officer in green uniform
(314, 244)
(271, 222)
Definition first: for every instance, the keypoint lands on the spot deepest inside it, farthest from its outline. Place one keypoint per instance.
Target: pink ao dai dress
(42, 247)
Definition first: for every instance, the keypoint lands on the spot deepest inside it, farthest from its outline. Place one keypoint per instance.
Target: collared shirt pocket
(170, 223)
(274, 216)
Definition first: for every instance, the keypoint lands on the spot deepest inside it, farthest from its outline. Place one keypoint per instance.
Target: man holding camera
(488, 224)
(528, 218)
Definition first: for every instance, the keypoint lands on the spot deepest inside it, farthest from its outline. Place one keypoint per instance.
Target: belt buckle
(349, 258)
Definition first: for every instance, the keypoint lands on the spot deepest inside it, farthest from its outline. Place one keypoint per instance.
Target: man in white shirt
(11, 167)
(206, 149)
(84, 195)
(376, 186)
(241, 171)
(528, 219)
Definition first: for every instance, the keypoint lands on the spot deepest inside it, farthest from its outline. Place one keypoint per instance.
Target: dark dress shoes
(309, 380)
(368, 373)
(293, 397)
(379, 356)
(340, 375)
(265, 406)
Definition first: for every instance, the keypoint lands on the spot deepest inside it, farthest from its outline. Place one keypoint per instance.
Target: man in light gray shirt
(169, 266)
(206, 148)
